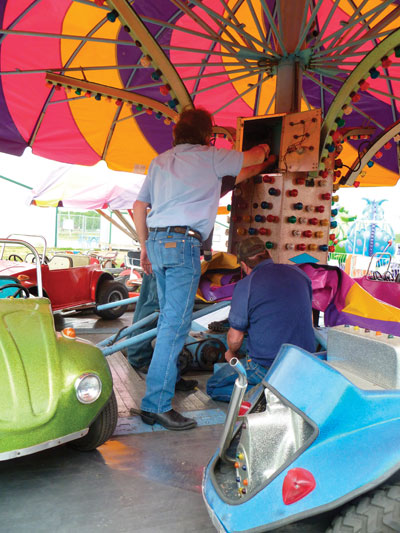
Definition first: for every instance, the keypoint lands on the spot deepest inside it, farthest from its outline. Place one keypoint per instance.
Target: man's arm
(248, 172)
(234, 339)
(139, 218)
(256, 155)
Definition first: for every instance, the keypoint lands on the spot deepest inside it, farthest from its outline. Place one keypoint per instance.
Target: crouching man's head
(251, 252)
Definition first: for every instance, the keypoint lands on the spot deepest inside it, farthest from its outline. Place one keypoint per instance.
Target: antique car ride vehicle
(54, 388)
(70, 281)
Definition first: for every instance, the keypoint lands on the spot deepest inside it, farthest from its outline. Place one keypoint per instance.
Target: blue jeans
(220, 385)
(175, 259)
(140, 354)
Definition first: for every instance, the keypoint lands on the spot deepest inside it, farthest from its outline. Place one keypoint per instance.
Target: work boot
(171, 420)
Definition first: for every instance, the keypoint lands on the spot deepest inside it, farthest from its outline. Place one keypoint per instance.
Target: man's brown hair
(254, 261)
(194, 127)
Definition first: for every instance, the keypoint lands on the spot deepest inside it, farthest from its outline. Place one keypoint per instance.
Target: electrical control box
(286, 207)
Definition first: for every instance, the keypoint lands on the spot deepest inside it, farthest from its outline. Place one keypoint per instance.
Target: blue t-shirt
(183, 185)
(273, 304)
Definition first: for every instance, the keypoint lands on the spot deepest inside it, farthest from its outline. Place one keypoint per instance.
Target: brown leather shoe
(170, 420)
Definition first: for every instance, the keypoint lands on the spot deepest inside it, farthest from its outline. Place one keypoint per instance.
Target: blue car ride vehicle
(322, 433)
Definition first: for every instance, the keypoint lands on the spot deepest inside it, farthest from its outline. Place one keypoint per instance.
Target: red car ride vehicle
(70, 281)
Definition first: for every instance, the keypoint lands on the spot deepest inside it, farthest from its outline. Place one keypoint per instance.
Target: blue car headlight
(88, 388)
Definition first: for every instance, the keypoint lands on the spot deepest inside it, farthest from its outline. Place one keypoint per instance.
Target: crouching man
(272, 304)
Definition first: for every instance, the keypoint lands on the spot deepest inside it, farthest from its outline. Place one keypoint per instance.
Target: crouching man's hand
(229, 355)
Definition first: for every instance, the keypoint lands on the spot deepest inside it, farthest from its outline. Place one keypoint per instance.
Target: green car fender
(39, 369)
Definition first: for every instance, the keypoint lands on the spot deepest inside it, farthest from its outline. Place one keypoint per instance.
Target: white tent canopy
(80, 187)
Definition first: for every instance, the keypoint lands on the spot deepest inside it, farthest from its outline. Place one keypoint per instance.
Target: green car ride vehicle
(54, 388)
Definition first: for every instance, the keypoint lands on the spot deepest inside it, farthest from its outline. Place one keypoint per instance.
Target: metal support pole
(288, 82)
(130, 329)
(233, 409)
(117, 303)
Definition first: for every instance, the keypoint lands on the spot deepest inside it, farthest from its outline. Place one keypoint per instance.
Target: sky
(352, 200)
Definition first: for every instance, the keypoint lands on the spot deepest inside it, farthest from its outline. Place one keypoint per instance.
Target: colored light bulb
(156, 75)
(292, 220)
(266, 205)
(313, 221)
(274, 192)
(307, 233)
(164, 90)
(268, 179)
(145, 61)
(301, 247)
(298, 206)
(323, 247)
(374, 73)
(269, 245)
(386, 62)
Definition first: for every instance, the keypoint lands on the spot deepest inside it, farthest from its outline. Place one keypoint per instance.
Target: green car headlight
(88, 388)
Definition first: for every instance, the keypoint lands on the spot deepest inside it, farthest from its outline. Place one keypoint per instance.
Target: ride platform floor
(140, 481)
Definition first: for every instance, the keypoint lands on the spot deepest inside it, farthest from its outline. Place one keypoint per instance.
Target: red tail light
(298, 483)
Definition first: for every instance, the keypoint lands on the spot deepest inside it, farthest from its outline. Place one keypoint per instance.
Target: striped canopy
(86, 80)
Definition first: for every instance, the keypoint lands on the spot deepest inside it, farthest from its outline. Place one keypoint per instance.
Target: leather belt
(184, 230)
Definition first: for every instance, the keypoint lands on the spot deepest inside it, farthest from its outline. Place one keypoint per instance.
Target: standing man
(182, 190)
(272, 304)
